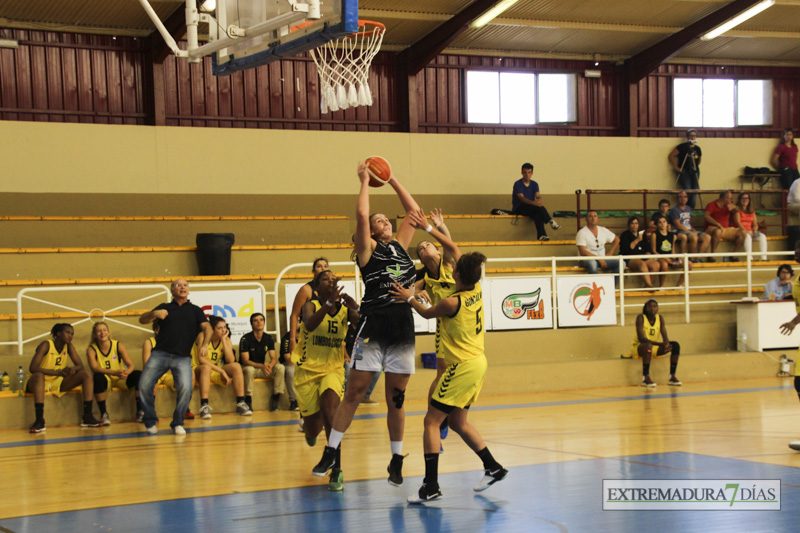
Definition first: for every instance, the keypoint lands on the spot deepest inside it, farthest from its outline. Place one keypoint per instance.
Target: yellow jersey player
(650, 326)
(167, 379)
(219, 367)
(788, 327)
(437, 284)
(50, 373)
(112, 367)
(460, 385)
(319, 361)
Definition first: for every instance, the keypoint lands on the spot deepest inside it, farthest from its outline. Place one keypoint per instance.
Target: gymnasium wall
(120, 159)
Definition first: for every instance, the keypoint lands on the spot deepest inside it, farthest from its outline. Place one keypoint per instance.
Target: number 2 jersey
(464, 330)
(321, 351)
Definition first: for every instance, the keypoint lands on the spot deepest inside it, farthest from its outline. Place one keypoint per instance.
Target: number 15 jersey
(464, 338)
(321, 350)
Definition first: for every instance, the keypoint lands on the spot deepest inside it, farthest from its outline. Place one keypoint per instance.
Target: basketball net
(343, 67)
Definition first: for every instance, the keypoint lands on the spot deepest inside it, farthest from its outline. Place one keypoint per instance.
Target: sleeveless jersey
(321, 350)
(389, 262)
(215, 355)
(53, 359)
(464, 330)
(439, 289)
(651, 331)
(110, 360)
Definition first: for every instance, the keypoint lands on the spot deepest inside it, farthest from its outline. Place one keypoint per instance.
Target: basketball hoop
(343, 67)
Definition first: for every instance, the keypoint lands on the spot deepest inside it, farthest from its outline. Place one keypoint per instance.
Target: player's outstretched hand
(349, 301)
(424, 297)
(400, 293)
(787, 328)
(417, 219)
(363, 175)
(436, 217)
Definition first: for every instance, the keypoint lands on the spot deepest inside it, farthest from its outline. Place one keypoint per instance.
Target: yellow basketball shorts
(461, 383)
(115, 381)
(311, 385)
(51, 384)
(216, 379)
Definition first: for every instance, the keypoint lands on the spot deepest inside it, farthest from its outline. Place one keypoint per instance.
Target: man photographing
(685, 159)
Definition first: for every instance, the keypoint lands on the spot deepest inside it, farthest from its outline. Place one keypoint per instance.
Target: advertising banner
(520, 303)
(586, 301)
(235, 306)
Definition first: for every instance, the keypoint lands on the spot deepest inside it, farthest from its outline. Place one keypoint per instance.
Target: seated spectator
(744, 218)
(649, 327)
(780, 288)
(718, 225)
(253, 350)
(680, 217)
(631, 242)
(663, 211)
(218, 367)
(112, 367)
(793, 198)
(167, 380)
(526, 200)
(662, 243)
(50, 373)
(591, 240)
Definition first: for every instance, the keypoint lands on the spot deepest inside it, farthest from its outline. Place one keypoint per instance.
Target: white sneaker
(105, 420)
(795, 445)
(241, 409)
(205, 412)
(178, 430)
(152, 430)
(554, 224)
(490, 478)
(301, 425)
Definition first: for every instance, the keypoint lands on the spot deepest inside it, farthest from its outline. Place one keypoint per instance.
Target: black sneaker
(426, 494)
(395, 470)
(38, 427)
(293, 406)
(326, 463)
(89, 421)
(490, 477)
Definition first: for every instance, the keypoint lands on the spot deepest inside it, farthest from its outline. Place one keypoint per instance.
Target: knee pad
(100, 383)
(797, 384)
(132, 380)
(676, 348)
(399, 398)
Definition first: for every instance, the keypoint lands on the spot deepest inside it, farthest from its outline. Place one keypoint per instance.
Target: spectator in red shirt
(784, 160)
(717, 218)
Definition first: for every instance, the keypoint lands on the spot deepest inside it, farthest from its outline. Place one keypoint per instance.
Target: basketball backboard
(244, 34)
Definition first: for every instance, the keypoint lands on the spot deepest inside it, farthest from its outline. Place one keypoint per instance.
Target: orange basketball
(379, 171)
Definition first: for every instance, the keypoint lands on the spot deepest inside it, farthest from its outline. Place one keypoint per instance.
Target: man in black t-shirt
(685, 159)
(180, 322)
(258, 359)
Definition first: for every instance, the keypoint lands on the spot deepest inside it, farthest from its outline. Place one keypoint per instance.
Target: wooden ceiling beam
(645, 62)
(423, 51)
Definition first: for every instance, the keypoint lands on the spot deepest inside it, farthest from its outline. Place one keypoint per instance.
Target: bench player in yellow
(319, 360)
(460, 385)
(112, 367)
(167, 379)
(650, 327)
(220, 368)
(438, 284)
(50, 373)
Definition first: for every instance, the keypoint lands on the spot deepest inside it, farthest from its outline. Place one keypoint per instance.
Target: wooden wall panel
(64, 77)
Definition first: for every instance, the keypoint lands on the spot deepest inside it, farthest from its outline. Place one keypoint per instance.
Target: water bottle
(743, 341)
(6, 381)
(20, 380)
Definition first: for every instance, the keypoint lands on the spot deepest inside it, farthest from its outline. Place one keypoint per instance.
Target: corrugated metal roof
(618, 28)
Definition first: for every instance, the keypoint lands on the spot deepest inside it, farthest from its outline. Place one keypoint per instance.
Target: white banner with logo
(235, 306)
(520, 303)
(586, 301)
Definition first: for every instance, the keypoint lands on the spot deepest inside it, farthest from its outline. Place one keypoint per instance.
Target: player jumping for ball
(458, 389)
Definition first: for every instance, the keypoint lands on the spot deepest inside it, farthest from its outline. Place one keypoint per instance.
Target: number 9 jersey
(464, 338)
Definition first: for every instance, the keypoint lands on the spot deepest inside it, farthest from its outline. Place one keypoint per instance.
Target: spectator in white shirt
(591, 240)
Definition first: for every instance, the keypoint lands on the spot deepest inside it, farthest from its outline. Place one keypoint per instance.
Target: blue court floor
(556, 497)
